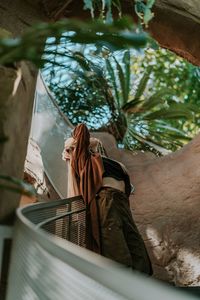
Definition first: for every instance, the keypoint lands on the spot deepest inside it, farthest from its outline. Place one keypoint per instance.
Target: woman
(105, 187)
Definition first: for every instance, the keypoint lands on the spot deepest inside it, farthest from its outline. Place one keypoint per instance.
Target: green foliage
(142, 84)
(143, 10)
(121, 34)
(144, 110)
(104, 8)
(139, 98)
(174, 74)
(16, 185)
(88, 4)
(86, 97)
(117, 93)
(123, 78)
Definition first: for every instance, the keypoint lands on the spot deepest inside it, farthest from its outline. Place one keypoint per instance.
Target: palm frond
(122, 82)
(146, 141)
(132, 106)
(143, 82)
(126, 62)
(121, 34)
(112, 76)
(175, 111)
(156, 99)
(165, 127)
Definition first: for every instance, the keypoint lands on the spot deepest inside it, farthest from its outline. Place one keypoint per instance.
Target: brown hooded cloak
(88, 170)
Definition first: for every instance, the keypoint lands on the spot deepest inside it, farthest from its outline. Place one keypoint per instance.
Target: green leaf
(152, 43)
(179, 137)
(113, 80)
(88, 4)
(148, 15)
(132, 106)
(168, 128)
(122, 81)
(139, 8)
(174, 112)
(142, 84)
(142, 139)
(150, 3)
(157, 99)
(117, 4)
(120, 34)
(16, 185)
(126, 61)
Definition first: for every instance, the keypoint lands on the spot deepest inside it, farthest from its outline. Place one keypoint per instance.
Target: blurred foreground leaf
(16, 185)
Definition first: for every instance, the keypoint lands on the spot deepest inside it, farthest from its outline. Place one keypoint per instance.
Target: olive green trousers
(120, 238)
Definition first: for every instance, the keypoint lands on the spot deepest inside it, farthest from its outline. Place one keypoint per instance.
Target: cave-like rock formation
(176, 26)
(166, 206)
(34, 174)
(17, 87)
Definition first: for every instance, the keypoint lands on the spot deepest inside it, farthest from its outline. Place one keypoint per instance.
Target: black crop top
(113, 169)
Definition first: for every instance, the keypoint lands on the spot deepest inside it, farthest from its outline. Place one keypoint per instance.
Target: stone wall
(17, 15)
(176, 26)
(34, 174)
(17, 88)
(165, 207)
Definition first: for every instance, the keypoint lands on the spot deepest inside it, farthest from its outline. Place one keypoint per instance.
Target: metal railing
(46, 265)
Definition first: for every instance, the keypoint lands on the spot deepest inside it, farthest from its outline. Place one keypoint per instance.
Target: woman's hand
(66, 154)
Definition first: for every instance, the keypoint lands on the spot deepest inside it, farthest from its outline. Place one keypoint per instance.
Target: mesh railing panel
(63, 218)
(71, 228)
(40, 213)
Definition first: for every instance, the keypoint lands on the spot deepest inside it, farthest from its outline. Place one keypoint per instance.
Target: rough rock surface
(17, 88)
(166, 207)
(176, 26)
(16, 16)
(35, 175)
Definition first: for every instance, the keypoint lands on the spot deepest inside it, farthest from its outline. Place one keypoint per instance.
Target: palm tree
(137, 119)
(147, 115)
